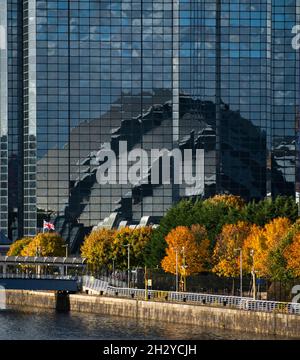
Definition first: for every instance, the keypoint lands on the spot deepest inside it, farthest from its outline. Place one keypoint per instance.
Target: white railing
(89, 282)
(243, 303)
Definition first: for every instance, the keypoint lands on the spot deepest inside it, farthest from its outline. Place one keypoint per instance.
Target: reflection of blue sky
(105, 56)
(116, 41)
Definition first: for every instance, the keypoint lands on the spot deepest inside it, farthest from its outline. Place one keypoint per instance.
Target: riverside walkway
(101, 287)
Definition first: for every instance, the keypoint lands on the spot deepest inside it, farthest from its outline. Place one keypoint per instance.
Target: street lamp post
(253, 274)
(113, 271)
(66, 246)
(184, 269)
(241, 270)
(38, 267)
(67, 254)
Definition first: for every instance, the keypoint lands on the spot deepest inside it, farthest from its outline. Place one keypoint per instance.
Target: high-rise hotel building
(77, 76)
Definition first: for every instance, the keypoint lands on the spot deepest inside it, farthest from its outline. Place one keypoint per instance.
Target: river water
(29, 324)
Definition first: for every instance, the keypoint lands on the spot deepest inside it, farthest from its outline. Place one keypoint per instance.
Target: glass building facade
(78, 76)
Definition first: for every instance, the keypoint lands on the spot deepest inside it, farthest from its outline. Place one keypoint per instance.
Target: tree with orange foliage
(292, 256)
(255, 243)
(191, 247)
(203, 243)
(225, 256)
(231, 201)
(263, 241)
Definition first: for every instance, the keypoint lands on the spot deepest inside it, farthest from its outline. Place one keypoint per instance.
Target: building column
(29, 51)
(3, 119)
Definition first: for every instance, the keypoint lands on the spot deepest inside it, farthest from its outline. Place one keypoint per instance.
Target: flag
(48, 226)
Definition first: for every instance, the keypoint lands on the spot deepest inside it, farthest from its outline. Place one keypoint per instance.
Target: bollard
(87, 292)
(184, 299)
(224, 303)
(203, 301)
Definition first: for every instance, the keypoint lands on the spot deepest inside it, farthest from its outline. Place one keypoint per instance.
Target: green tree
(264, 211)
(137, 239)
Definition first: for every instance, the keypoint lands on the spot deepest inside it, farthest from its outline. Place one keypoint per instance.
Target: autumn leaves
(270, 248)
(47, 244)
(105, 248)
(273, 250)
(259, 244)
(190, 246)
(198, 236)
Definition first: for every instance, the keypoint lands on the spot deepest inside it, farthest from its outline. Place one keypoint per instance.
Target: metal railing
(235, 302)
(94, 284)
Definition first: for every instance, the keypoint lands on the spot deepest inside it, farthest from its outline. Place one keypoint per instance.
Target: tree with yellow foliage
(276, 230)
(103, 247)
(191, 247)
(262, 242)
(16, 248)
(45, 244)
(97, 248)
(225, 255)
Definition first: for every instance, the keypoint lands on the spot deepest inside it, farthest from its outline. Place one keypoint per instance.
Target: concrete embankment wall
(201, 315)
(33, 299)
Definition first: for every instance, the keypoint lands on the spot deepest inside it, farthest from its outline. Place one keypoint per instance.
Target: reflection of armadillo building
(284, 164)
(80, 75)
(129, 204)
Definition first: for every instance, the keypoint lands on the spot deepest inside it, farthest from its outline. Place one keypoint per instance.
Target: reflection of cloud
(136, 22)
(136, 53)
